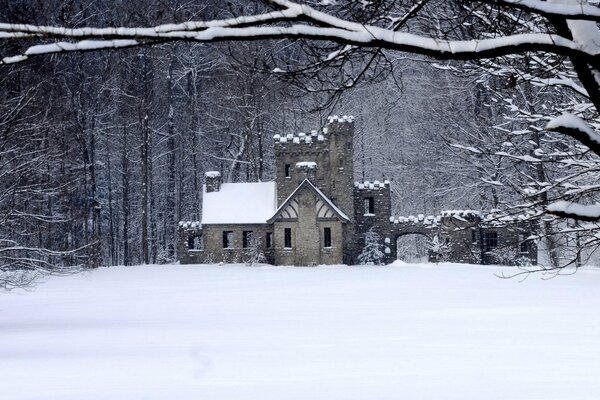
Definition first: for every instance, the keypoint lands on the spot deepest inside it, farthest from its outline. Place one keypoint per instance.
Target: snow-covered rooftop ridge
(318, 191)
(372, 185)
(306, 164)
(212, 174)
(190, 224)
(301, 137)
(345, 118)
(240, 203)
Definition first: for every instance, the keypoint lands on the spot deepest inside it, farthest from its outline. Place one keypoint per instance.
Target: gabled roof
(308, 184)
(239, 203)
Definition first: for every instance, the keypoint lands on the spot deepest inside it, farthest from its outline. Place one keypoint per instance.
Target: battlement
(429, 221)
(346, 119)
(314, 142)
(301, 138)
(375, 185)
(190, 225)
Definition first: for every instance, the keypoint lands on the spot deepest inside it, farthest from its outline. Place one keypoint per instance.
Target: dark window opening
(473, 236)
(369, 205)
(523, 244)
(288, 170)
(326, 237)
(490, 240)
(287, 238)
(227, 239)
(246, 239)
(269, 240)
(341, 162)
(195, 242)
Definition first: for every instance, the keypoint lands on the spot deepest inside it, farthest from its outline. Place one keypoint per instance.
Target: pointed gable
(290, 211)
(324, 207)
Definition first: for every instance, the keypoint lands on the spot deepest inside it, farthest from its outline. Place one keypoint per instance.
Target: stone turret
(340, 131)
(213, 181)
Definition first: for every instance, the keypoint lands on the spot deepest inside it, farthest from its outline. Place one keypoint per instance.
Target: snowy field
(235, 332)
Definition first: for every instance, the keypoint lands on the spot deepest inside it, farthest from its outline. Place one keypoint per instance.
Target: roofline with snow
(319, 193)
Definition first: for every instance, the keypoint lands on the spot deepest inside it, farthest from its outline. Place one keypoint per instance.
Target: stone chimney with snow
(213, 181)
(306, 170)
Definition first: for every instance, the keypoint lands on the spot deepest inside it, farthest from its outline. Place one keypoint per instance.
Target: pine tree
(371, 253)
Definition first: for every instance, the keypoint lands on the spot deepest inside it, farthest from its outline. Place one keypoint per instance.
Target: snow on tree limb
(308, 23)
(567, 209)
(576, 127)
(548, 9)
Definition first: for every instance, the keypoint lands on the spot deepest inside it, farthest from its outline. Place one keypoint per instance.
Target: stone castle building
(315, 213)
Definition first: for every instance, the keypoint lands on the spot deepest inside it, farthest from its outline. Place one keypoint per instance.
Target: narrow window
(341, 162)
(523, 244)
(473, 236)
(246, 239)
(227, 239)
(326, 237)
(288, 170)
(269, 240)
(369, 205)
(287, 238)
(490, 240)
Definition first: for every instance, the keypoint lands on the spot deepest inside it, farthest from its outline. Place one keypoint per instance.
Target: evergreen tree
(371, 253)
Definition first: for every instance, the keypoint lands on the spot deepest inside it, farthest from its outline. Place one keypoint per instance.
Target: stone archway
(413, 247)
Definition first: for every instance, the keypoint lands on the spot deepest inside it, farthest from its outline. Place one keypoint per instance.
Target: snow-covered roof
(240, 203)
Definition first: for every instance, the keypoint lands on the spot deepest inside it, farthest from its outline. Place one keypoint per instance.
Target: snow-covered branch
(555, 9)
(576, 127)
(567, 209)
(293, 20)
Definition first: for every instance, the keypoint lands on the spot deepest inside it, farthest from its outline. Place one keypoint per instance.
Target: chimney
(306, 170)
(213, 181)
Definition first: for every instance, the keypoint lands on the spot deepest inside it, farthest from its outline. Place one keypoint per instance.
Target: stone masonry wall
(213, 251)
(307, 236)
(363, 221)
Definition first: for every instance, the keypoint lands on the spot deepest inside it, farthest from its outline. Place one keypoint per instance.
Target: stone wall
(341, 160)
(213, 251)
(290, 152)
(363, 220)
(307, 236)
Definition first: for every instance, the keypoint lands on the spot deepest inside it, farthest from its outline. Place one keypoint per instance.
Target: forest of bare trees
(103, 152)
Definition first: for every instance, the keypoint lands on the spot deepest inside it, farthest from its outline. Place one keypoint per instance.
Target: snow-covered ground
(235, 332)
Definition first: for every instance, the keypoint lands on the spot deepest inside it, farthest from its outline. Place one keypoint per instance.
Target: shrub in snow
(253, 254)
(505, 256)
(372, 253)
(439, 249)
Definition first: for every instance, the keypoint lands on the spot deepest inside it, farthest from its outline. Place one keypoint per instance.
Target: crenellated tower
(340, 131)
(324, 157)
